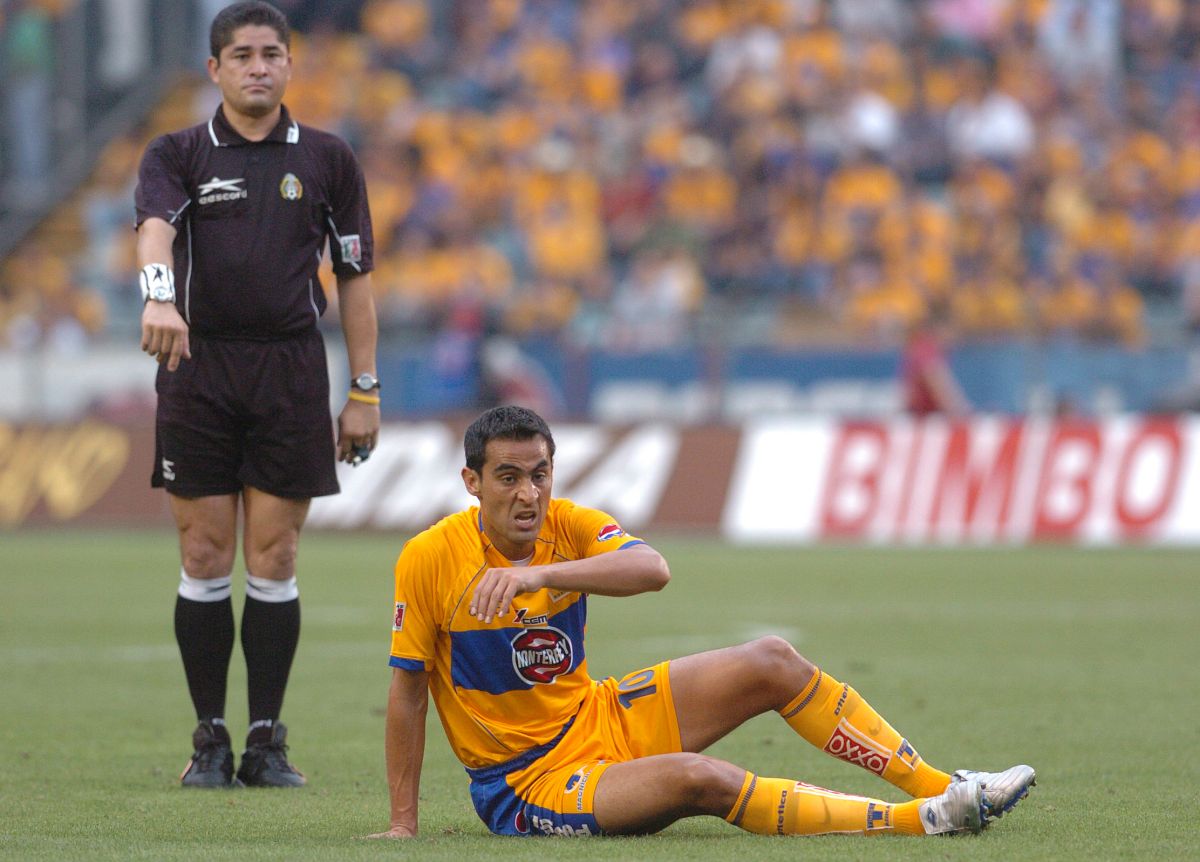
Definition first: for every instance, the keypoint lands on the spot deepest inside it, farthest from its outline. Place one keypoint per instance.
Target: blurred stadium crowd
(639, 175)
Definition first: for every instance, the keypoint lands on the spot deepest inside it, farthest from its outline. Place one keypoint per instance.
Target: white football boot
(1001, 790)
(959, 809)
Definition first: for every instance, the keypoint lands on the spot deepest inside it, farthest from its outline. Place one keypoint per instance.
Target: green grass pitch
(1084, 663)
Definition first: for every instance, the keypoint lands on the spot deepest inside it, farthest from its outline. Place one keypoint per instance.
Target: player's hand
(165, 334)
(395, 832)
(358, 432)
(494, 594)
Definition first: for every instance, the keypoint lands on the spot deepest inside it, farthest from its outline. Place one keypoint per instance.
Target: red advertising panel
(988, 480)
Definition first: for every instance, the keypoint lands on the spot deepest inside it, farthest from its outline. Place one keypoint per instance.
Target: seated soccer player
(490, 610)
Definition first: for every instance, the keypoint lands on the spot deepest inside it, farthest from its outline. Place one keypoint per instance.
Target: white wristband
(157, 281)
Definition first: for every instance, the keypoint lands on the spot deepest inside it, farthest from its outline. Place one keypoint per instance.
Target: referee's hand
(358, 432)
(165, 334)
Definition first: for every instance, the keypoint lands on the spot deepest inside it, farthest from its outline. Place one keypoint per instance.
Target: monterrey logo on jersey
(541, 656)
(610, 531)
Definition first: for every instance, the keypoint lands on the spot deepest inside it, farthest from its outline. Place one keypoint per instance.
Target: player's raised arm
(627, 572)
(408, 701)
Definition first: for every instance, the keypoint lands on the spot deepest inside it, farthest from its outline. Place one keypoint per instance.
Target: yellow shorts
(549, 790)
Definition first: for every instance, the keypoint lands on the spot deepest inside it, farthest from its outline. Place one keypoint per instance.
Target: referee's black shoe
(265, 764)
(212, 762)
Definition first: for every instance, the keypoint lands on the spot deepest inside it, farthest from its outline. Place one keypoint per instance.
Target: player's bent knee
(708, 785)
(773, 670)
(775, 657)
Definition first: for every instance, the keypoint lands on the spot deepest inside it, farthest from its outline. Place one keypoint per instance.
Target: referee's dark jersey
(251, 221)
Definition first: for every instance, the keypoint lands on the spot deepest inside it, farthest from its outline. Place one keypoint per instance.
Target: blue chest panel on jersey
(516, 658)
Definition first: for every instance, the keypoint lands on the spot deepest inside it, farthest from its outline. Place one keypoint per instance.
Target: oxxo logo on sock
(851, 746)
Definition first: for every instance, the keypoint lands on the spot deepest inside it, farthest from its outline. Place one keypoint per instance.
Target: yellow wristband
(365, 399)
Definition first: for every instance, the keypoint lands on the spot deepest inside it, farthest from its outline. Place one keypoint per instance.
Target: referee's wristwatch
(365, 382)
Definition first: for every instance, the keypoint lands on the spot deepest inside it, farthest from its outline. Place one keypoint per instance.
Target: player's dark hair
(251, 14)
(503, 423)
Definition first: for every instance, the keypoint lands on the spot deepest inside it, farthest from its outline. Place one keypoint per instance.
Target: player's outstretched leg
(1001, 790)
(647, 794)
(778, 806)
(835, 718)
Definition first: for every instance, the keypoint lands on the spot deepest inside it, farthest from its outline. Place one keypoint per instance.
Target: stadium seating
(577, 168)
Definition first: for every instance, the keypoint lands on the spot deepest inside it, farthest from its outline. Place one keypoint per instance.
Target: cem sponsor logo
(609, 531)
(168, 470)
(540, 656)
(217, 190)
(290, 187)
(522, 618)
(398, 619)
(853, 747)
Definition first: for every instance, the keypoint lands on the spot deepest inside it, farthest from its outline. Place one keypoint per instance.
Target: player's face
(252, 71)
(513, 489)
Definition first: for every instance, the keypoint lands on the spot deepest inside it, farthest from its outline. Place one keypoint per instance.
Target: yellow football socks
(835, 718)
(779, 806)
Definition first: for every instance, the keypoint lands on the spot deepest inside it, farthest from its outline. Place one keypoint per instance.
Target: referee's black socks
(204, 632)
(270, 633)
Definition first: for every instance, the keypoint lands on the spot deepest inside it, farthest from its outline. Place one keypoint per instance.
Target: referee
(232, 218)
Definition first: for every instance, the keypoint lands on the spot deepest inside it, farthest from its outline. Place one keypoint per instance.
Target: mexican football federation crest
(290, 188)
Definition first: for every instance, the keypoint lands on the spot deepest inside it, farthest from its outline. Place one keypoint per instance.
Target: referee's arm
(358, 424)
(164, 332)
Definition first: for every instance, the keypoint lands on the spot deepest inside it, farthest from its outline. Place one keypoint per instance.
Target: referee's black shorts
(246, 413)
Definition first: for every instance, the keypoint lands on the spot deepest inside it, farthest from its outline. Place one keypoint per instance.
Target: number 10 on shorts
(634, 686)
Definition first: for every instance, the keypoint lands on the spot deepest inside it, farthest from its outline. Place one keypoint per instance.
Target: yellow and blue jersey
(505, 687)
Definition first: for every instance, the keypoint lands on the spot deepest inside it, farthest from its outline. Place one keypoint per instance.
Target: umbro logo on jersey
(217, 190)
